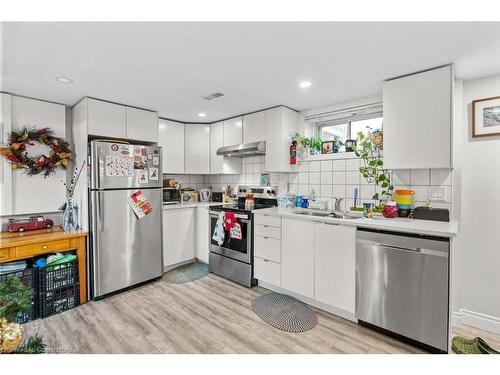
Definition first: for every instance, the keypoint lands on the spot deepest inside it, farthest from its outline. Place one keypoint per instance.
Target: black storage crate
(27, 277)
(58, 288)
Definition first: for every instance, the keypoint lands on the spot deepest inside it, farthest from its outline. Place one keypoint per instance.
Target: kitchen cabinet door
(233, 131)
(254, 127)
(197, 149)
(202, 234)
(417, 120)
(335, 265)
(281, 124)
(142, 125)
(216, 142)
(297, 256)
(178, 235)
(171, 139)
(106, 119)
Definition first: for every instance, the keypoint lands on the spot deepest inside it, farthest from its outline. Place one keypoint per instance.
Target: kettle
(204, 195)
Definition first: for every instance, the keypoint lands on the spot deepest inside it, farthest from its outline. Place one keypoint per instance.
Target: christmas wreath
(16, 154)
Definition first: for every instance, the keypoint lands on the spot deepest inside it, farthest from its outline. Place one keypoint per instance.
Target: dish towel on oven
(218, 234)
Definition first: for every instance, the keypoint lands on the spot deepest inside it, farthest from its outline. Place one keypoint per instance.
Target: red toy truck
(34, 222)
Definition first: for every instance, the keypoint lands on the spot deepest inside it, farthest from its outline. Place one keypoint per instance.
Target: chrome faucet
(338, 202)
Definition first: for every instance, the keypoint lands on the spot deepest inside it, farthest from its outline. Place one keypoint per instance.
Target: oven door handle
(242, 218)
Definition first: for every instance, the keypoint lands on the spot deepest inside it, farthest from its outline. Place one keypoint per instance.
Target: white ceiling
(168, 66)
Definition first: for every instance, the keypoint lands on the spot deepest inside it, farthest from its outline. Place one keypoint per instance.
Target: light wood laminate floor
(209, 315)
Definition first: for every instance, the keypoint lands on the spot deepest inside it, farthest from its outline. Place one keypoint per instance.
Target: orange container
(404, 196)
(404, 192)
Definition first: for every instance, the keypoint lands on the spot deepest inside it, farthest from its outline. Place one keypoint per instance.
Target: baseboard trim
(475, 319)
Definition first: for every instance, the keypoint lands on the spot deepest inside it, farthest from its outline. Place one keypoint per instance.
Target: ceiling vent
(213, 96)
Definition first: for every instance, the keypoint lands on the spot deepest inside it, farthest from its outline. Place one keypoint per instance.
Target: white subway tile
(338, 178)
(367, 191)
(326, 165)
(315, 187)
(303, 178)
(349, 190)
(303, 166)
(338, 191)
(326, 191)
(314, 177)
(352, 165)
(339, 165)
(326, 177)
(315, 166)
(419, 177)
(441, 177)
(293, 178)
(421, 193)
(352, 178)
(401, 177)
(293, 188)
(303, 189)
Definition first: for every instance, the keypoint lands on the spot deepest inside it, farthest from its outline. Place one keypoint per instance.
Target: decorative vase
(70, 217)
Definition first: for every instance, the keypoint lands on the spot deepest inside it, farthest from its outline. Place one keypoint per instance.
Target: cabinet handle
(266, 226)
(330, 223)
(266, 237)
(265, 260)
(45, 247)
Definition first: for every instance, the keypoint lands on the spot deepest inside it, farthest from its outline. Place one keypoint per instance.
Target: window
(348, 128)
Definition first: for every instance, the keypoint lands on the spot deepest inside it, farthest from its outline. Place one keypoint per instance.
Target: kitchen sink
(327, 214)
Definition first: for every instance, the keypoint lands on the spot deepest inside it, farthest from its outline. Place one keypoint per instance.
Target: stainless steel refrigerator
(125, 249)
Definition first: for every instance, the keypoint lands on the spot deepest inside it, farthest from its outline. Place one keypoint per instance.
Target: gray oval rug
(284, 312)
(186, 273)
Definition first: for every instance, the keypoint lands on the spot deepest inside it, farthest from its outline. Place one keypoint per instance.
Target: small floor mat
(284, 312)
(186, 273)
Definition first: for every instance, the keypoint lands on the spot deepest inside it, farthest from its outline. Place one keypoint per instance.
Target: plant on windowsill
(307, 145)
(372, 168)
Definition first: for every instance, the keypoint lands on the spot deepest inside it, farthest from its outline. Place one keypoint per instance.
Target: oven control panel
(258, 191)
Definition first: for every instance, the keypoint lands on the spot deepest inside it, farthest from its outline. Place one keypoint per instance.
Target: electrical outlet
(437, 194)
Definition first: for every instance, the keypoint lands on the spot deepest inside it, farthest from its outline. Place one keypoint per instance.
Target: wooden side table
(18, 246)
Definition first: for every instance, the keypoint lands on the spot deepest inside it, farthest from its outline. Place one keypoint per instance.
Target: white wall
(476, 251)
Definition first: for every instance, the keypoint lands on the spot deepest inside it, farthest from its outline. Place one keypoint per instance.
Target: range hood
(243, 150)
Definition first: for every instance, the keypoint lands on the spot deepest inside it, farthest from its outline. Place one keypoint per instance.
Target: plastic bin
(27, 277)
(58, 288)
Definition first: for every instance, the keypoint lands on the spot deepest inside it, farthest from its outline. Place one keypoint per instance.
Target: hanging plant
(17, 156)
(372, 168)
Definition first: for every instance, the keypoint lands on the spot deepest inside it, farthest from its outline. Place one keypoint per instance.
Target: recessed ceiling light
(64, 79)
(201, 114)
(305, 84)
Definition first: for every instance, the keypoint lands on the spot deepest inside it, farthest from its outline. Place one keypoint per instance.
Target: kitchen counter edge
(404, 225)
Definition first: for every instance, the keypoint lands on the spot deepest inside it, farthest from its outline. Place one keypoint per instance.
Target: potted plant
(307, 145)
(372, 169)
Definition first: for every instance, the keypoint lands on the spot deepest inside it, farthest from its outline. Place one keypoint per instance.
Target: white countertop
(427, 227)
(190, 205)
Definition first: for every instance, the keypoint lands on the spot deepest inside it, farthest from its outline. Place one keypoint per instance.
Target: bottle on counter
(249, 201)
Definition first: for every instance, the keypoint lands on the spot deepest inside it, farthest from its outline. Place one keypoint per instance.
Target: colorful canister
(298, 200)
(368, 210)
(305, 202)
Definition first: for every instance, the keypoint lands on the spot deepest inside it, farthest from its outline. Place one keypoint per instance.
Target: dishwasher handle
(418, 250)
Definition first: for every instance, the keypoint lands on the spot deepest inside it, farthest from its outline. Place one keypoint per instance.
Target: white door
(216, 142)
(171, 139)
(202, 234)
(254, 127)
(417, 120)
(178, 235)
(335, 265)
(142, 125)
(106, 119)
(297, 256)
(197, 149)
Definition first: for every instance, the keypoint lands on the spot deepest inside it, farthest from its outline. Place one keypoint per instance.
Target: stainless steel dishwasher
(402, 285)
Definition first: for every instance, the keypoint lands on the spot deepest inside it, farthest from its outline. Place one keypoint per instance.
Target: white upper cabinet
(281, 123)
(254, 127)
(142, 125)
(225, 133)
(197, 149)
(233, 131)
(171, 139)
(297, 256)
(335, 266)
(106, 119)
(417, 120)
(216, 142)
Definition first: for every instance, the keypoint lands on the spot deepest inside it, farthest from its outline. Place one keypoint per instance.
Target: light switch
(437, 194)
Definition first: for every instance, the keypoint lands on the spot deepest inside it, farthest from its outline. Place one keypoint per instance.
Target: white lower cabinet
(267, 249)
(297, 256)
(202, 234)
(335, 265)
(267, 271)
(178, 235)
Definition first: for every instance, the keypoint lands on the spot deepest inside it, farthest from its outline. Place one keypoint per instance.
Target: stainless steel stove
(232, 257)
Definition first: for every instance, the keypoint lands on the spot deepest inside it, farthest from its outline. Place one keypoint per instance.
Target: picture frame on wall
(327, 147)
(486, 117)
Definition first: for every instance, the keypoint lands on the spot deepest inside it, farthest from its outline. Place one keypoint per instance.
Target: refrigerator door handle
(100, 210)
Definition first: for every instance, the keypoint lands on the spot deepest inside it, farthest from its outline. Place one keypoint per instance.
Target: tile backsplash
(329, 179)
